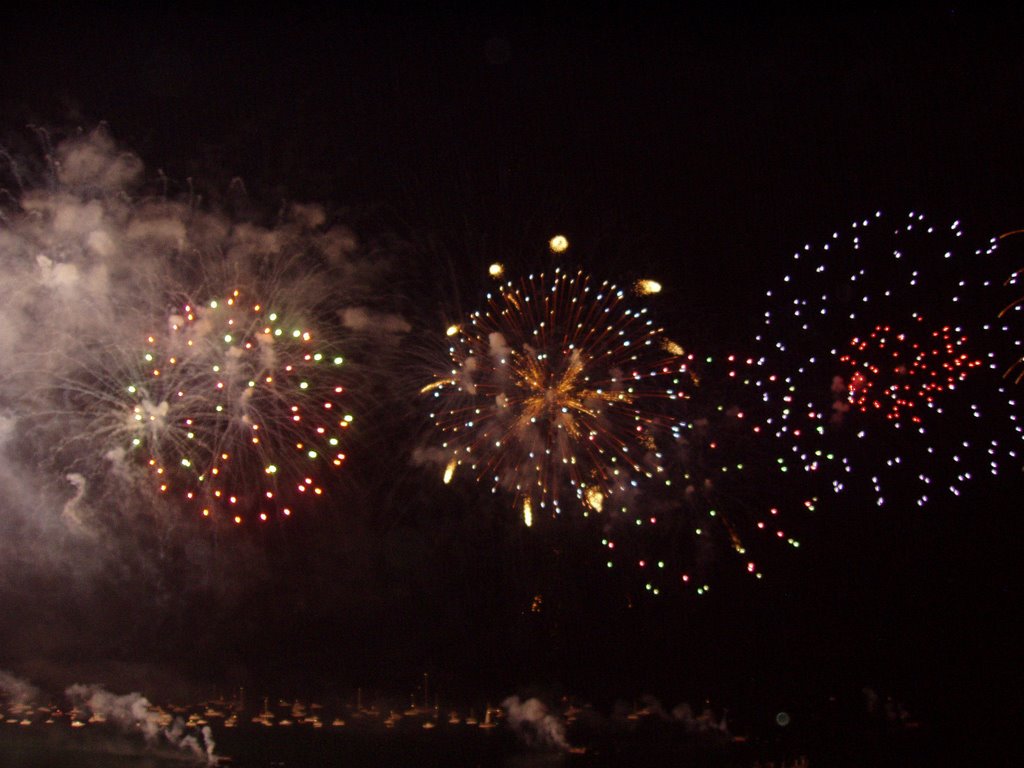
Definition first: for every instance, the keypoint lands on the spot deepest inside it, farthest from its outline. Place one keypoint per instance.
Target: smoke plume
(132, 713)
(534, 724)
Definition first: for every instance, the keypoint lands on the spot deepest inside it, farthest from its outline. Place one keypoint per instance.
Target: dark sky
(699, 146)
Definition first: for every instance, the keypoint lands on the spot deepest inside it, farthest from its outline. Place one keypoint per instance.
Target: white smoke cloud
(534, 724)
(17, 692)
(378, 323)
(7, 427)
(430, 456)
(92, 161)
(466, 373)
(92, 260)
(71, 510)
(338, 244)
(90, 263)
(499, 347)
(133, 713)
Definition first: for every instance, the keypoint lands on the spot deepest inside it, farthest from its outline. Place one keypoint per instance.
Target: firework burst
(241, 414)
(723, 493)
(878, 359)
(235, 409)
(557, 391)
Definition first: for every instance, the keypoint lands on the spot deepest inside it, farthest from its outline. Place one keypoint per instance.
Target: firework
(903, 374)
(235, 409)
(646, 287)
(558, 391)
(1016, 370)
(880, 359)
(723, 493)
(558, 244)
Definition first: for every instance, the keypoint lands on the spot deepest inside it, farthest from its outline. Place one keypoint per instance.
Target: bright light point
(558, 244)
(449, 471)
(496, 270)
(451, 330)
(647, 287)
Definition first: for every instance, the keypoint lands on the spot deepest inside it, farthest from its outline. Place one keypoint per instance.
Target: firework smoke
(92, 261)
(132, 713)
(534, 724)
(17, 692)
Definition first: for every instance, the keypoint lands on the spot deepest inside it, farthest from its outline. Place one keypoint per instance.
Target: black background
(699, 145)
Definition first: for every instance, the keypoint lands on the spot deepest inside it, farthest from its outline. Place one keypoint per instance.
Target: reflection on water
(254, 746)
(97, 729)
(33, 749)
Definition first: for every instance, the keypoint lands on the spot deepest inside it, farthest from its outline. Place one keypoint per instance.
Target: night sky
(700, 147)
